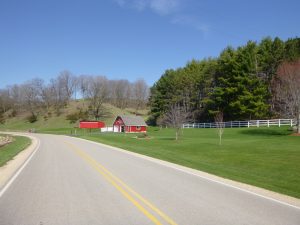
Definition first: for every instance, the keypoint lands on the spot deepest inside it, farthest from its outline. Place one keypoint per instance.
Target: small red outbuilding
(130, 124)
(91, 124)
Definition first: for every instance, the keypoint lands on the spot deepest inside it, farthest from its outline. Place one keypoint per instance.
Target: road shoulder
(11, 167)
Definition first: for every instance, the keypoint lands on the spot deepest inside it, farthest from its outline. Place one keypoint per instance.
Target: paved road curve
(72, 181)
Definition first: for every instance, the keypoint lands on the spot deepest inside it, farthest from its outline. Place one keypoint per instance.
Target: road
(76, 182)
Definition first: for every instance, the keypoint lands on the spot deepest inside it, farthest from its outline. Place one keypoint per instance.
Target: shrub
(13, 113)
(32, 118)
(74, 117)
(2, 119)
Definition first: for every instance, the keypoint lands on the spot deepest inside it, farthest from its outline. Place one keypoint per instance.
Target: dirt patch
(295, 134)
(4, 140)
(142, 138)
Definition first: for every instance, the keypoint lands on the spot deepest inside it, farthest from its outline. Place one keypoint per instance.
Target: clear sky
(130, 38)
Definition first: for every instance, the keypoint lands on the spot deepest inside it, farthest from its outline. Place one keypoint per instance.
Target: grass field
(9, 151)
(264, 157)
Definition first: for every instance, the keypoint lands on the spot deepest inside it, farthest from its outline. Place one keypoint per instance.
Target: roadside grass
(9, 151)
(264, 157)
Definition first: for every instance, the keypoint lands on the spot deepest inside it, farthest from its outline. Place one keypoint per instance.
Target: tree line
(242, 83)
(36, 96)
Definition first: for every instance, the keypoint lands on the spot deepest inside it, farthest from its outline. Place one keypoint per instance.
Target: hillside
(51, 122)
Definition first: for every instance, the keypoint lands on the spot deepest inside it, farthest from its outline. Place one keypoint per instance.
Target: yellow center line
(110, 178)
(155, 209)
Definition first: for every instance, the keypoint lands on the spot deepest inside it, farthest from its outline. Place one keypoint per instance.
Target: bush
(13, 113)
(74, 117)
(57, 113)
(32, 118)
(2, 119)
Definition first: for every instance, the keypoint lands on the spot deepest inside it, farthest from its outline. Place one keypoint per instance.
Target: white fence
(107, 129)
(110, 129)
(250, 123)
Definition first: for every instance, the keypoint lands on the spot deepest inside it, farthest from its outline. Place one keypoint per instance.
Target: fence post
(291, 122)
(279, 123)
(268, 122)
(248, 124)
(257, 123)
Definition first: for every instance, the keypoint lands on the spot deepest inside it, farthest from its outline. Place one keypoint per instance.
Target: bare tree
(97, 93)
(288, 89)
(67, 83)
(76, 88)
(83, 84)
(175, 117)
(140, 94)
(219, 125)
(15, 95)
(120, 93)
(48, 96)
(31, 93)
(5, 101)
(57, 97)
(160, 122)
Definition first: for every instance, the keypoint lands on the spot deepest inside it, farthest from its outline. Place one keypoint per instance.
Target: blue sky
(130, 38)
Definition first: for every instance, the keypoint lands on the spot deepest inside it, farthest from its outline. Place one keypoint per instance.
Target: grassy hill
(50, 122)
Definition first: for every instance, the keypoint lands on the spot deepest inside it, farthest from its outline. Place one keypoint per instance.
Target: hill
(50, 121)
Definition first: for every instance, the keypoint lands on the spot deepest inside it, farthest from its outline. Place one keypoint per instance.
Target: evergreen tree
(239, 92)
(238, 83)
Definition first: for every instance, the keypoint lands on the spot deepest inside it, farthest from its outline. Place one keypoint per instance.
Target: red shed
(130, 124)
(91, 124)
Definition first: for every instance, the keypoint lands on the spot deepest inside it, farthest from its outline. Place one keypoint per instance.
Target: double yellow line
(123, 188)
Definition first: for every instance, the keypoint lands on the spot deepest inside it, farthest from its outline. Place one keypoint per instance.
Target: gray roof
(133, 120)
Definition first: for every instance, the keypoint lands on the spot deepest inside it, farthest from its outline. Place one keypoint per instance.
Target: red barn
(91, 124)
(130, 124)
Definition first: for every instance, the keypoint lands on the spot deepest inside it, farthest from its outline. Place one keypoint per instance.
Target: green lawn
(9, 151)
(264, 157)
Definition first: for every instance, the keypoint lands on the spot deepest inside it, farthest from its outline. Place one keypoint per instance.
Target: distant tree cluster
(242, 83)
(37, 95)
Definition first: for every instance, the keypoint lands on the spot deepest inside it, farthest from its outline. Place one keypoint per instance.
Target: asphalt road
(72, 181)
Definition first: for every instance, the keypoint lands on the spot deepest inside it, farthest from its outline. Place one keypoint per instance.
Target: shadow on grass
(266, 132)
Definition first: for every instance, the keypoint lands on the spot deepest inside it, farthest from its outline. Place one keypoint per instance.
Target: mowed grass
(264, 157)
(9, 151)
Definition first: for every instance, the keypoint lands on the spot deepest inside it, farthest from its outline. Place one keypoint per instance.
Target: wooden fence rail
(250, 123)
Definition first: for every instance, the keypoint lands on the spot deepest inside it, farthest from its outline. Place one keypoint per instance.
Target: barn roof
(133, 120)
